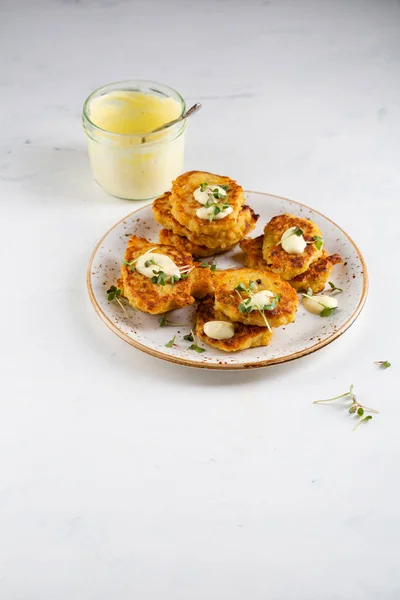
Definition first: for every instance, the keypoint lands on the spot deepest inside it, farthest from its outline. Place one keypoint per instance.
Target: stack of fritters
(183, 229)
(311, 269)
(251, 329)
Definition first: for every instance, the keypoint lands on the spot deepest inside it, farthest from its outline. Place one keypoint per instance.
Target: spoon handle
(193, 109)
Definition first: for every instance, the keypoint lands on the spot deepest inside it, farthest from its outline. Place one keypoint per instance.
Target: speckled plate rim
(239, 366)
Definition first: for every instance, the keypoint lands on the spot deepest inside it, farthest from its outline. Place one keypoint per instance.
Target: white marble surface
(125, 477)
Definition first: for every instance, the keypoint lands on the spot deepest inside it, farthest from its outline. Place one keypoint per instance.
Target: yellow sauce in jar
(127, 160)
(131, 113)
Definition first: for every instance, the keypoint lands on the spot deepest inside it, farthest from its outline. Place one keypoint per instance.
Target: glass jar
(136, 166)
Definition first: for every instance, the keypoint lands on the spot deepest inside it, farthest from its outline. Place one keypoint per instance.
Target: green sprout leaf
(188, 337)
(364, 420)
(213, 267)
(203, 186)
(196, 348)
(334, 288)
(327, 311)
(171, 342)
(225, 187)
(273, 304)
(297, 231)
(360, 411)
(318, 241)
(240, 287)
(163, 321)
(113, 293)
(159, 278)
(173, 279)
(129, 264)
(385, 364)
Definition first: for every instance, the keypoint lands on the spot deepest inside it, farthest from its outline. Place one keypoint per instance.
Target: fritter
(245, 223)
(246, 336)
(252, 252)
(151, 297)
(182, 243)
(228, 299)
(315, 277)
(184, 206)
(201, 282)
(289, 265)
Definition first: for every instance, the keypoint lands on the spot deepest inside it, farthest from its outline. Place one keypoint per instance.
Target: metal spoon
(187, 114)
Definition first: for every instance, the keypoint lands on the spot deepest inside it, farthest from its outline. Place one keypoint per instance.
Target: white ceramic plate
(308, 334)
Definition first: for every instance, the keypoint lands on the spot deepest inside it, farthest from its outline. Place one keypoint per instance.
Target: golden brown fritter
(246, 336)
(252, 252)
(151, 297)
(245, 223)
(289, 265)
(315, 277)
(201, 282)
(184, 206)
(182, 243)
(227, 300)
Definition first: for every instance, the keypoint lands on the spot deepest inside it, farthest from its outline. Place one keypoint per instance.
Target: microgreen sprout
(246, 305)
(174, 279)
(334, 288)
(171, 342)
(114, 293)
(355, 408)
(384, 364)
(165, 322)
(296, 231)
(326, 310)
(318, 241)
(132, 262)
(192, 338)
(158, 278)
(196, 348)
(129, 264)
(214, 197)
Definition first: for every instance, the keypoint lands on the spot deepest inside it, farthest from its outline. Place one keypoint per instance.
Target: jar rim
(125, 83)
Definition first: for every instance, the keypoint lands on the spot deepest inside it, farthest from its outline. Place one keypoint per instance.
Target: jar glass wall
(140, 165)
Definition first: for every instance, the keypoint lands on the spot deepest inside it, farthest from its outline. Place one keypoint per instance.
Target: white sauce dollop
(316, 304)
(202, 197)
(292, 243)
(219, 330)
(260, 299)
(163, 263)
(205, 213)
